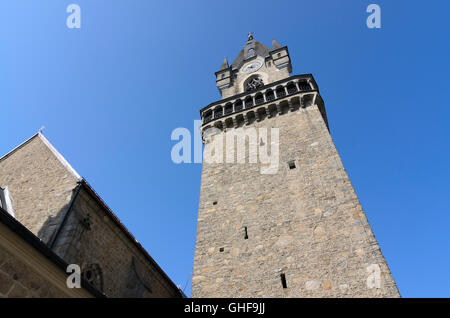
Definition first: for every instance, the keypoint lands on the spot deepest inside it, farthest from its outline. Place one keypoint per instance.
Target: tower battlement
(277, 98)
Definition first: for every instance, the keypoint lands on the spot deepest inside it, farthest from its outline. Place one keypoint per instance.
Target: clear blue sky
(110, 94)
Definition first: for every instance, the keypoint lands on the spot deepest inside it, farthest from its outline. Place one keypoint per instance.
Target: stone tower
(297, 230)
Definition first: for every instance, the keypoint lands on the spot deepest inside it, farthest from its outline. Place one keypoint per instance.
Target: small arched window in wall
(253, 83)
(137, 285)
(92, 273)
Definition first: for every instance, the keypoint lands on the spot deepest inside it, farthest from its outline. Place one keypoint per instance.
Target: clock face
(251, 67)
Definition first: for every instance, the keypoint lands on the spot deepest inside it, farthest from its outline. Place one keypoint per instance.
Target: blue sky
(110, 94)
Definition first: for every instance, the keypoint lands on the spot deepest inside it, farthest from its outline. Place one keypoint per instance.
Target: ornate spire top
(250, 36)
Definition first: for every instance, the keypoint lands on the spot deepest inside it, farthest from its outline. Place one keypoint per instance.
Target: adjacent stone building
(60, 210)
(297, 230)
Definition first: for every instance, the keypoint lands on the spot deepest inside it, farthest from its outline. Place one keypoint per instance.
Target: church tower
(296, 229)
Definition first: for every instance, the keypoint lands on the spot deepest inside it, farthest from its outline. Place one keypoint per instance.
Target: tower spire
(275, 44)
(224, 64)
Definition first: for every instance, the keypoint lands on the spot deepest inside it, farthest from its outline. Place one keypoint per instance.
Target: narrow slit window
(291, 165)
(283, 280)
(215, 203)
(245, 233)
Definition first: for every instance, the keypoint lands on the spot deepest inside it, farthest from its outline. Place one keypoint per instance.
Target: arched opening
(93, 275)
(228, 108)
(253, 83)
(304, 85)
(207, 116)
(218, 112)
(281, 92)
(291, 88)
(238, 105)
(270, 95)
(259, 99)
(248, 102)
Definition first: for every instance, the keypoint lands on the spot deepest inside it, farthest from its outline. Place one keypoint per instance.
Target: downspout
(66, 215)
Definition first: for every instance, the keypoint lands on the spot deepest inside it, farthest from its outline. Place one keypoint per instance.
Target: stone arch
(207, 115)
(228, 108)
(291, 88)
(281, 92)
(253, 82)
(218, 112)
(238, 105)
(249, 102)
(137, 285)
(93, 274)
(270, 95)
(259, 99)
(303, 85)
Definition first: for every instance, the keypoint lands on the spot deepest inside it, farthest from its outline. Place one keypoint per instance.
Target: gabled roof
(93, 193)
(55, 152)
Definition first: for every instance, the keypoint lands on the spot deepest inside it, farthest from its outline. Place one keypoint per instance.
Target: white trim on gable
(55, 152)
(59, 156)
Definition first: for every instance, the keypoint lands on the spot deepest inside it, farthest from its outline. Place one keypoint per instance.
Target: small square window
(215, 203)
(221, 249)
(291, 164)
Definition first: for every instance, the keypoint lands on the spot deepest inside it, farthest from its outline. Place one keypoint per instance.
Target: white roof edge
(60, 157)
(19, 146)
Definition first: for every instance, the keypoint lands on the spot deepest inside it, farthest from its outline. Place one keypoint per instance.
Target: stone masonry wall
(18, 280)
(40, 185)
(42, 189)
(90, 239)
(306, 223)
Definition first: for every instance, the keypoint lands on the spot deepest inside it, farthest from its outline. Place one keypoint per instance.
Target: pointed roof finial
(41, 129)
(275, 44)
(224, 64)
(250, 36)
